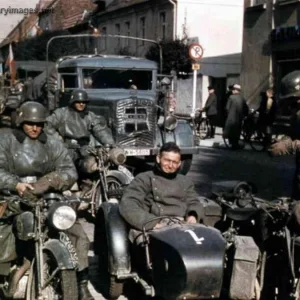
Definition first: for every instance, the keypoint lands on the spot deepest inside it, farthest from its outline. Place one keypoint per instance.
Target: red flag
(10, 62)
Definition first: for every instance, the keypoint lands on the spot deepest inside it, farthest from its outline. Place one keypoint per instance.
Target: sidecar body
(185, 261)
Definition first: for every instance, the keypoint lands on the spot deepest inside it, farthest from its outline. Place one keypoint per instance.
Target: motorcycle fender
(112, 231)
(187, 261)
(182, 135)
(64, 259)
(122, 177)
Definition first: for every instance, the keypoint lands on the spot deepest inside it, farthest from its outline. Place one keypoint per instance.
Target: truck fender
(182, 135)
(63, 257)
(112, 231)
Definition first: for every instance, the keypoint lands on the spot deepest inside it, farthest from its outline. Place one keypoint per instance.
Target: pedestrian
(267, 112)
(290, 101)
(236, 109)
(211, 111)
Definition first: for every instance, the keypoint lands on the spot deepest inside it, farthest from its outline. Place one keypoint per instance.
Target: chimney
(100, 5)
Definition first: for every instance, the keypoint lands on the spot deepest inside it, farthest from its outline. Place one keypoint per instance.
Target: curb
(218, 144)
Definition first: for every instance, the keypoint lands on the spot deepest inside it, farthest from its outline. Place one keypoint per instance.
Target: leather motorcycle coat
(80, 126)
(21, 157)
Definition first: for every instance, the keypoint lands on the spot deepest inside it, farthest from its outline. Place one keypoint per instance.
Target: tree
(35, 48)
(175, 56)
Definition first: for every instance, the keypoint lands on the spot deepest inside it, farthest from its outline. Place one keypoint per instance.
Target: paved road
(271, 175)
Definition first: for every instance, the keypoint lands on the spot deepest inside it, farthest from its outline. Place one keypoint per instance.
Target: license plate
(137, 152)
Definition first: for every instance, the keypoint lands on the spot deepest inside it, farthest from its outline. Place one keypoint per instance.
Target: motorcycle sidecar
(185, 261)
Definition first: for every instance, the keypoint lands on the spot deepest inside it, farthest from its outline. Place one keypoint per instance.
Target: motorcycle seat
(241, 213)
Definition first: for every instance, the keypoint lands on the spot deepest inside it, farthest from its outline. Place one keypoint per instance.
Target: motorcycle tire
(65, 281)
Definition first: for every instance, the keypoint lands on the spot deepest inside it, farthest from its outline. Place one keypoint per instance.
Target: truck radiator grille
(135, 122)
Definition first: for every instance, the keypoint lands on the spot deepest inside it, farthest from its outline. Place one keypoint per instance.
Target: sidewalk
(217, 141)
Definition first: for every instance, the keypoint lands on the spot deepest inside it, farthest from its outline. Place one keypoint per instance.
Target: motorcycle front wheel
(62, 286)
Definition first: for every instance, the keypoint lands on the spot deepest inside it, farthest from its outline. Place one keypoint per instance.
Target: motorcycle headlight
(62, 217)
(170, 122)
(117, 156)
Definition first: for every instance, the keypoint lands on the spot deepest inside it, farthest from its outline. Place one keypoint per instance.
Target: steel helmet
(79, 96)
(31, 112)
(290, 85)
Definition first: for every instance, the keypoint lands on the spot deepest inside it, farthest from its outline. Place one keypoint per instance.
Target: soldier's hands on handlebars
(41, 186)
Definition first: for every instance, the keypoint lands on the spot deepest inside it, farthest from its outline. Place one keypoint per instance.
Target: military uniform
(78, 126)
(154, 193)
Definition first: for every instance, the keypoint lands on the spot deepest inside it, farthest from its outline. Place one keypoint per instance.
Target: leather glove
(278, 149)
(30, 196)
(41, 186)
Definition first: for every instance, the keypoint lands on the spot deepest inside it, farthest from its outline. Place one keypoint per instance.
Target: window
(96, 78)
(104, 32)
(257, 2)
(127, 28)
(69, 81)
(118, 32)
(143, 29)
(163, 25)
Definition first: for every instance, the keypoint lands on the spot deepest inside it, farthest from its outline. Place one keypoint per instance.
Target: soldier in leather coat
(32, 163)
(161, 192)
(79, 129)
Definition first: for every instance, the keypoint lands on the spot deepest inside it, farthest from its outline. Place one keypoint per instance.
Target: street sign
(196, 67)
(196, 51)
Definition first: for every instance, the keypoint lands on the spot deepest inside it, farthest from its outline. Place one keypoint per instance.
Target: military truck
(127, 91)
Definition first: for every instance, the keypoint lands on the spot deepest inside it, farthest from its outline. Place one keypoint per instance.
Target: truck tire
(186, 163)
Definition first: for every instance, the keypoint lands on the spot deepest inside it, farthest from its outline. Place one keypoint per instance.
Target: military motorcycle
(262, 257)
(178, 261)
(110, 177)
(40, 261)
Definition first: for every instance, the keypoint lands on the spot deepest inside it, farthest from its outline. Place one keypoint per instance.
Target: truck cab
(125, 90)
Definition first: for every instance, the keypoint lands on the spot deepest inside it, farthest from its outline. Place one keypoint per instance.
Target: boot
(83, 291)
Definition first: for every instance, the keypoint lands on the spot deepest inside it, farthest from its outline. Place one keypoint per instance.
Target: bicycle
(201, 125)
(251, 133)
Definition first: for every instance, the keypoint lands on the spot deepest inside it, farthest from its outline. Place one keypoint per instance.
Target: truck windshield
(95, 78)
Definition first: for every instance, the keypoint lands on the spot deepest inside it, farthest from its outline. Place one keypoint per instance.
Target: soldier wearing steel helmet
(33, 163)
(80, 129)
(289, 100)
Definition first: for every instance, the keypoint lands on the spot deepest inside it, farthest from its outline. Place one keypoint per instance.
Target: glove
(30, 196)
(41, 186)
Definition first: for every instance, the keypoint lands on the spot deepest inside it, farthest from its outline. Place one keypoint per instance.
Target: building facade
(271, 44)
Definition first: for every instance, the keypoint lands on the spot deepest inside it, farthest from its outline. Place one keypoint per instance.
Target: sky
(217, 24)
(9, 20)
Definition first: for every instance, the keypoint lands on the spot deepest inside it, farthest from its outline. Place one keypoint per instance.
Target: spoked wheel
(115, 190)
(203, 129)
(62, 284)
(111, 287)
(258, 141)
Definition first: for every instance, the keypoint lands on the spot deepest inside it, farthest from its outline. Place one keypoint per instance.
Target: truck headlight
(62, 217)
(170, 122)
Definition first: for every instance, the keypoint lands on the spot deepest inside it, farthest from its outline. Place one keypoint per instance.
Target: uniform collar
(82, 114)
(21, 135)
(159, 172)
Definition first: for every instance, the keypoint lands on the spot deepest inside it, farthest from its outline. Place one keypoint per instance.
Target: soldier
(290, 101)
(80, 129)
(160, 192)
(27, 155)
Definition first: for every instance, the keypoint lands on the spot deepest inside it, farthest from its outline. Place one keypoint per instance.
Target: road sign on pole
(196, 51)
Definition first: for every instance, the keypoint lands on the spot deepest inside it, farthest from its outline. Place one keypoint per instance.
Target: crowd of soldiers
(42, 147)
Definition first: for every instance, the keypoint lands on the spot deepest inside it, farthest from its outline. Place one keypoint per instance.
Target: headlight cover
(170, 122)
(63, 217)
